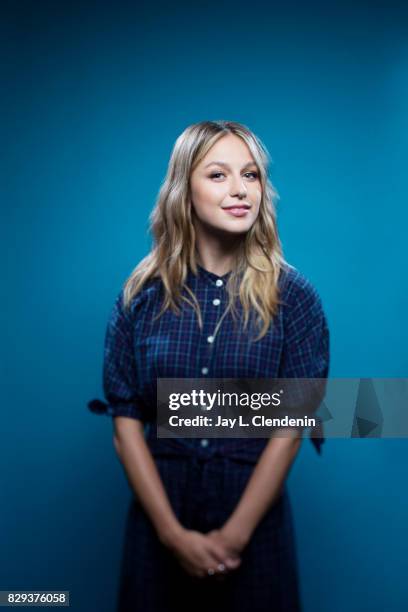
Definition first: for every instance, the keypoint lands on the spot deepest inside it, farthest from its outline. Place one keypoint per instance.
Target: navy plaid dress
(204, 479)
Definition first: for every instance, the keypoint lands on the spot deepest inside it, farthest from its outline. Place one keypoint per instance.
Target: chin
(234, 228)
(231, 227)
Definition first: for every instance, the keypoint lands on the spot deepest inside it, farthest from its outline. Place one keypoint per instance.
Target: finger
(213, 558)
(221, 570)
(232, 562)
(224, 554)
(218, 552)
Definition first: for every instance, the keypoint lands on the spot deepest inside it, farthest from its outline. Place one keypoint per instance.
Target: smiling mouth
(237, 211)
(240, 206)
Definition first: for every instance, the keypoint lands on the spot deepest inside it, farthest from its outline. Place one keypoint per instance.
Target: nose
(238, 188)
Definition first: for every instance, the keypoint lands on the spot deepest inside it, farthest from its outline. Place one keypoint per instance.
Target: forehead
(229, 149)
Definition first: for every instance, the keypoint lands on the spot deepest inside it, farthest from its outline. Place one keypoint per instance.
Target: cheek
(207, 195)
(257, 196)
(258, 193)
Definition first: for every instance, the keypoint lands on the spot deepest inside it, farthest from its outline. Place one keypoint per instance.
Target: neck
(218, 257)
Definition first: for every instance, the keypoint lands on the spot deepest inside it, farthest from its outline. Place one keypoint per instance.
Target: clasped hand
(217, 551)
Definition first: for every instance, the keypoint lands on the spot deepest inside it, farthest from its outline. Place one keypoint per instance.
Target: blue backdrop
(94, 97)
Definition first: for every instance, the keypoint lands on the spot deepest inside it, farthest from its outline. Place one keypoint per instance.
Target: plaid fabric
(203, 494)
(139, 349)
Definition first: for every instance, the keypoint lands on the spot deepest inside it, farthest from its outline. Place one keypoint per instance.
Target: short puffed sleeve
(119, 367)
(306, 341)
(306, 351)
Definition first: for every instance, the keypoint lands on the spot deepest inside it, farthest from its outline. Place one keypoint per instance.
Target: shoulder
(150, 292)
(297, 292)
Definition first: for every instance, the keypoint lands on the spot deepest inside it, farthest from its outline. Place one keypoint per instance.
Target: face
(225, 188)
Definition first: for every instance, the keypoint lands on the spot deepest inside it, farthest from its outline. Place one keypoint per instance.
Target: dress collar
(210, 276)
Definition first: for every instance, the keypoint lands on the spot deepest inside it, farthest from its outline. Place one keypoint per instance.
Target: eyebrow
(220, 163)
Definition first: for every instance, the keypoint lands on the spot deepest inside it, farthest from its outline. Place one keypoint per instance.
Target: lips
(244, 206)
(240, 211)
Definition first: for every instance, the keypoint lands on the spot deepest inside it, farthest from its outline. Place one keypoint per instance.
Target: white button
(204, 443)
(204, 370)
(216, 302)
(210, 339)
(219, 282)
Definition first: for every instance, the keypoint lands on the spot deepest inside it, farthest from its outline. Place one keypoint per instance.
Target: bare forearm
(144, 478)
(264, 486)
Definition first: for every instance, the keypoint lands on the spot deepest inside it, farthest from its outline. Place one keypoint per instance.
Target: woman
(210, 519)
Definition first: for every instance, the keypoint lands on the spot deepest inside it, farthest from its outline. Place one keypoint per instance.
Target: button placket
(210, 341)
(211, 337)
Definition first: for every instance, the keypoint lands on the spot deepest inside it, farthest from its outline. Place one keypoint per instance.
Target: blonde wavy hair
(259, 259)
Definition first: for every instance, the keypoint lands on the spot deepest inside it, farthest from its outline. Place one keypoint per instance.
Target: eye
(254, 175)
